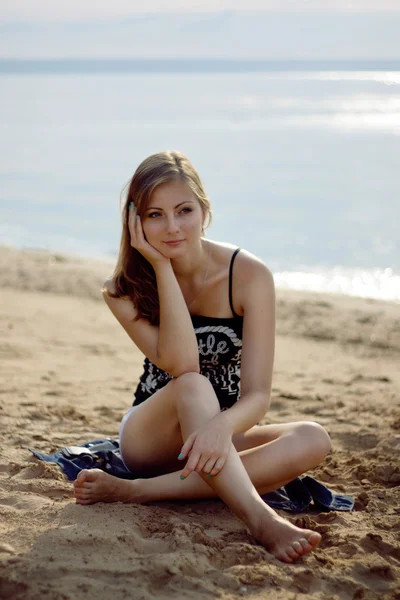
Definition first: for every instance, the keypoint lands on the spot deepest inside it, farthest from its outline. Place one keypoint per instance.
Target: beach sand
(68, 372)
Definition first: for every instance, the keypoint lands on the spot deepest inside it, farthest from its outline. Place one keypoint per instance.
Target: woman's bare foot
(284, 540)
(96, 486)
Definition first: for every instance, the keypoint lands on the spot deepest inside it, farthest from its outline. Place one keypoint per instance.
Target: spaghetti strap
(230, 281)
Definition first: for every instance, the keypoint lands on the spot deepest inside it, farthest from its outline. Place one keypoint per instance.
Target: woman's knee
(191, 382)
(189, 386)
(315, 437)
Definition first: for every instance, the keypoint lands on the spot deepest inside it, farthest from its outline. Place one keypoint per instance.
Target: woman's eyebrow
(177, 206)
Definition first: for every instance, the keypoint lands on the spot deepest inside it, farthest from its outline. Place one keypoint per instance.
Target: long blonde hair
(133, 275)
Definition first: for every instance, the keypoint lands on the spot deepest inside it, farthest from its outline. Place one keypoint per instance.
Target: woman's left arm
(255, 294)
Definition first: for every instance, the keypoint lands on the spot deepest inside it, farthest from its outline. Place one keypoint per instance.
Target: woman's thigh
(313, 437)
(261, 434)
(150, 435)
(151, 438)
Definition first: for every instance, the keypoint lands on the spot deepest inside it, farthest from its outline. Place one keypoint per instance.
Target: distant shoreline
(41, 269)
(192, 65)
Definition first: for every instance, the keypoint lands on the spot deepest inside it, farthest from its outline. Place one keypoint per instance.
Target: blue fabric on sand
(296, 496)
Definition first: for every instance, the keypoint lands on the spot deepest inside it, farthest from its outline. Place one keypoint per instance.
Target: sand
(68, 372)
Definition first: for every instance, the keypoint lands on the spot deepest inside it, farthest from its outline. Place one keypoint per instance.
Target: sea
(301, 160)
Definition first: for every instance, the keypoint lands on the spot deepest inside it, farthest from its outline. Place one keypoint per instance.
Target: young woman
(203, 314)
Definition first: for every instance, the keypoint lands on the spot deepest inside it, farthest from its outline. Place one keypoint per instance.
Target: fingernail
(130, 205)
(182, 477)
(134, 207)
(208, 474)
(181, 455)
(137, 217)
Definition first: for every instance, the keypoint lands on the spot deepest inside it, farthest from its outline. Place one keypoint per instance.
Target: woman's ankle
(259, 516)
(139, 491)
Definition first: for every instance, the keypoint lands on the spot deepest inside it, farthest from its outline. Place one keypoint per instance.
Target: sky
(270, 29)
(71, 10)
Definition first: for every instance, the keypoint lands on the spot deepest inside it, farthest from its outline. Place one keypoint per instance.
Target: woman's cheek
(194, 223)
(150, 231)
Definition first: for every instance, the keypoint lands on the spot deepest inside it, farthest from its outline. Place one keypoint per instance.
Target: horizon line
(195, 64)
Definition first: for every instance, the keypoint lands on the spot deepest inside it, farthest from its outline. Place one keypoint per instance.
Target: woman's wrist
(162, 266)
(224, 418)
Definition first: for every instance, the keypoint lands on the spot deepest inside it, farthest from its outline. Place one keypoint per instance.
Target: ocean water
(301, 166)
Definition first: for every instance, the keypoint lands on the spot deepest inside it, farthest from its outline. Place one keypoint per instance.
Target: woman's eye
(184, 210)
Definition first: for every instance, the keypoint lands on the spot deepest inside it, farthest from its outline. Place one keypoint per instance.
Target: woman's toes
(310, 542)
(83, 485)
(86, 485)
(81, 477)
(83, 493)
(284, 556)
(83, 496)
(291, 552)
(81, 490)
(305, 544)
(91, 475)
(86, 478)
(298, 548)
(82, 501)
(314, 539)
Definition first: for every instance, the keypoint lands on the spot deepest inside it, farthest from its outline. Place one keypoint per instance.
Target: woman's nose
(172, 225)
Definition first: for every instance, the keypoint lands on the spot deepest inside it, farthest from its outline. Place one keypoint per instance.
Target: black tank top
(220, 348)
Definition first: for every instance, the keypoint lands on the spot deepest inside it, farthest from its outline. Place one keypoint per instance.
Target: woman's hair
(133, 275)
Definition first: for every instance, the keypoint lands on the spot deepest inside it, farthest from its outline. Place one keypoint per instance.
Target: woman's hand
(139, 242)
(207, 448)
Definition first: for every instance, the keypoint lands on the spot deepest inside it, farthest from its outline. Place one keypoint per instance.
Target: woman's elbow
(184, 368)
(180, 365)
(263, 405)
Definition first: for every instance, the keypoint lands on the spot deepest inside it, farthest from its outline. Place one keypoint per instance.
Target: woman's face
(173, 219)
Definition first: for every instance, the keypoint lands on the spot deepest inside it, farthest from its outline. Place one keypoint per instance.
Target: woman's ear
(206, 218)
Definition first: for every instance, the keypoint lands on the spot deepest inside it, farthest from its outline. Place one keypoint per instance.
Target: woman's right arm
(172, 346)
(177, 343)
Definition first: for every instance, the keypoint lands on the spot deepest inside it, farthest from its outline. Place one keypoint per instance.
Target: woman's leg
(297, 448)
(195, 404)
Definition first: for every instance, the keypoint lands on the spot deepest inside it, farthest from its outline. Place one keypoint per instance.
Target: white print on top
(209, 348)
(220, 329)
(155, 376)
(224, 377)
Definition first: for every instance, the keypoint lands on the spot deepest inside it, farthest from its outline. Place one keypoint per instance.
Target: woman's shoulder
(246, 263)
(111, 289)
(253, 284)
(109, 286)
(121, 306)
(251, 277)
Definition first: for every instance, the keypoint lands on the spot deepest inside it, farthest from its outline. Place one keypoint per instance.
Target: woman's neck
(193, 263)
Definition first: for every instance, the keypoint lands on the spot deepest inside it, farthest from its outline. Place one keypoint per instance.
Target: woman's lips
(174, 242)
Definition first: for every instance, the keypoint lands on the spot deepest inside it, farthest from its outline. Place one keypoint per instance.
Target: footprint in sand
(25, 502)
(35, 471)
(376, 568)
(7, 549)
(373, 542)
(303, 580)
